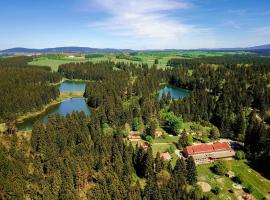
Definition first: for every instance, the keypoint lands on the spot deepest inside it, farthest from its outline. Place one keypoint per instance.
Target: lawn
(159, 147)
(250, 177)
(53, 63)
(166, 139)
(2, 127)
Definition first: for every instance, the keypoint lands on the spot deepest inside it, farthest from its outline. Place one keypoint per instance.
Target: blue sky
(136, 24)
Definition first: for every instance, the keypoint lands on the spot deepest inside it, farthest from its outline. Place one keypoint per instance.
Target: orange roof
(130, 137)
(221, 146)
(207, 148)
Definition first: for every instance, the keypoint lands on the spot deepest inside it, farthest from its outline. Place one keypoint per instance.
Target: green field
(159, 147)
(167, 139)
(53, 63)
(260, 184)
(145, 57)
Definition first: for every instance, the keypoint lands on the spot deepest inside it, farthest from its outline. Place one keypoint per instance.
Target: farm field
(143, 57)
(53, 63)
(260, 185)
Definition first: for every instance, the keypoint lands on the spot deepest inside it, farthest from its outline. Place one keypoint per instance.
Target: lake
(63, 108)
(72, 86)
(175, 92)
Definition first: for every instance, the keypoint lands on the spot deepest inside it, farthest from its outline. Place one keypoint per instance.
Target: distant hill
(262, 49)
(65, 50)
(266, 46)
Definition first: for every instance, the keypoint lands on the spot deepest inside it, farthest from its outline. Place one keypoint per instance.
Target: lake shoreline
(64, 96)
(71, 99)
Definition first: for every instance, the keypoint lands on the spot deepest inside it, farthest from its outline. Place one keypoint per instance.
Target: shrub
(105, 125)
(165, 136)
(196, 127)
(220, 168)
(240, 155)
(214, 133)
(216, 190)
(249, 189)
(231, 191)
(172, 122)
(171, 149)
(95, 55)
(190, 140)
(237, 179)
(124, 133)
(135, 124)
(149, 139)
(163, 178)
(205, 139)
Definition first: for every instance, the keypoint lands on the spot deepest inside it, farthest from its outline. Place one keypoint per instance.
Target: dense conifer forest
(74, 157)
(24, 88)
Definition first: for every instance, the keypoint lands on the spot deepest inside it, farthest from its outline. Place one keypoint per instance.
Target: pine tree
(159, 164)
(183, 140)
(214, 133)
(148, 164)
(191, 171)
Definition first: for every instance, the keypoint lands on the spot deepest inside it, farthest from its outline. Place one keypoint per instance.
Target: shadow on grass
(260, 166)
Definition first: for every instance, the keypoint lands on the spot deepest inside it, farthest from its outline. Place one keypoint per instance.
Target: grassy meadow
(53, 63)
(250, 177)
(137, 58)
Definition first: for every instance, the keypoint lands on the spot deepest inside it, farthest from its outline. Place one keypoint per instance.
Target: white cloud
(148, 22)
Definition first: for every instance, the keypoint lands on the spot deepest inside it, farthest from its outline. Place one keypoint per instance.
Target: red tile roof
(221, 146)
(134, 137)
(207, 148)
(165, 156)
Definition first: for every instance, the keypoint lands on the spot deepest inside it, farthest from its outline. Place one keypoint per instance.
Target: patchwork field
(137, 58)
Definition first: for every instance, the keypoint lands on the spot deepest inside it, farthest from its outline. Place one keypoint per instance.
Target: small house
(165, 156)
(143, 144)
(159, 133)
(134, 138)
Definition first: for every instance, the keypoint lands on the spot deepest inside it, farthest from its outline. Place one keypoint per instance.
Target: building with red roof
(165, 156)
(134, 138)
(203, 153)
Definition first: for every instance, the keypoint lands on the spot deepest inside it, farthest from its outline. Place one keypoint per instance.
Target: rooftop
(207, 148)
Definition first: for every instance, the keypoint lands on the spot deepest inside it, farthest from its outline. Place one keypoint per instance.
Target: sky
(134, 24)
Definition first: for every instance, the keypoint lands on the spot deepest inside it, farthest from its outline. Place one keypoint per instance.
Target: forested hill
(65, 50)
(76, 157)
(80, 157)
(260, 48)
(226, 92)
(24, 88)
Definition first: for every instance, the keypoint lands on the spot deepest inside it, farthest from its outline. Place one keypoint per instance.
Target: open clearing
(53, 63)
(260, 184)
(143, 57)
(205, 186)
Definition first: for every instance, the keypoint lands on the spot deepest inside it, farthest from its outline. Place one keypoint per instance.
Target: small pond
(175, 92)
(72, 86)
